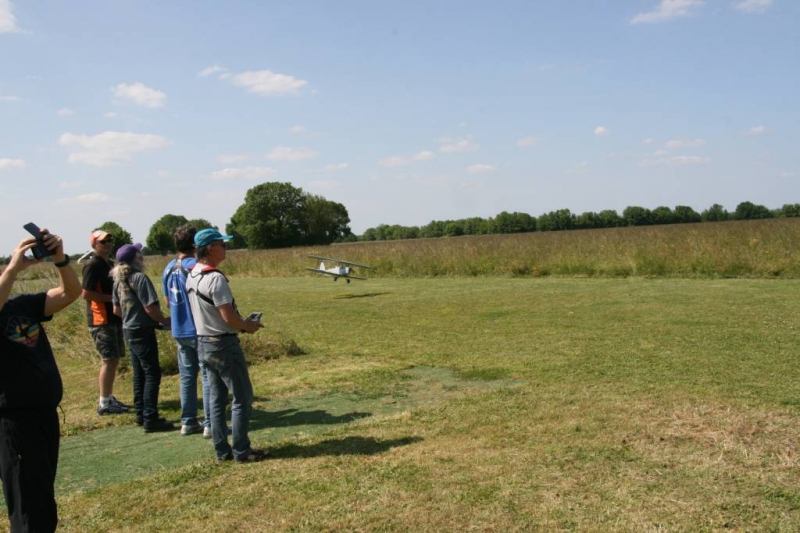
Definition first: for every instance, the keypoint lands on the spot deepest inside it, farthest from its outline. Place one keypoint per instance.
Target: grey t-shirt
(213, 285)
(141, 294)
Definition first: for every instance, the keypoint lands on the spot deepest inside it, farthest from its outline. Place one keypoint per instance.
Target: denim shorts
(109, 341)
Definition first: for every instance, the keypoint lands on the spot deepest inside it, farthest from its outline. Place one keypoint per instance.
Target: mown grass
(757, 248)
(640, 405)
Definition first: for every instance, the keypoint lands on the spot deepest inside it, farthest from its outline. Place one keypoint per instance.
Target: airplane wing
(340, 261)
(319, 271)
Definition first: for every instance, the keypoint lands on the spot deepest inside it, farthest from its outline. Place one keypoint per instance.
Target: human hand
(54, 244)
(19, 261)
(251, 326)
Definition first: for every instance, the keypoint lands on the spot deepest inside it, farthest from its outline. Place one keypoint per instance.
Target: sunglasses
(106, 240)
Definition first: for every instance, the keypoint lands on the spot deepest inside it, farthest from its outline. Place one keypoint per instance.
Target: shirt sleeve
(90, 277)
(220, 291)
(145, 290)
(164, 277)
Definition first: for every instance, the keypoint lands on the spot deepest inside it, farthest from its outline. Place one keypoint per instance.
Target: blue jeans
(227, 371)
(143, 347)
(188, 366)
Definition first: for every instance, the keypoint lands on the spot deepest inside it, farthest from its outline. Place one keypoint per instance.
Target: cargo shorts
(109, 341)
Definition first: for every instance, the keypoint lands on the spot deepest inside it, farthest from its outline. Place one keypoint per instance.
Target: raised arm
(17, 264)
(69, 287)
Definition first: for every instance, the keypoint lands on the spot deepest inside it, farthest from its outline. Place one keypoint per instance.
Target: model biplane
(343, 269)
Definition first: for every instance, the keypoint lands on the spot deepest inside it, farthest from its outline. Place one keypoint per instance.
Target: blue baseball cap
(204, 237)
(127, 252)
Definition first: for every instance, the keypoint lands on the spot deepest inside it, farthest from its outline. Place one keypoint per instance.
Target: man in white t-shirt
(218, 324)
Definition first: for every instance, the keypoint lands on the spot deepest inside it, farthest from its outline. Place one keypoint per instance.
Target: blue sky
(403, 111)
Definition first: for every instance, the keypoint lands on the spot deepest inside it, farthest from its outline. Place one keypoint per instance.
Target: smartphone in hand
(39, 251)
(255, 316)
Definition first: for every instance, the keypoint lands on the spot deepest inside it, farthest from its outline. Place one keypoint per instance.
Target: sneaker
(113, 399)
(207, 432)
(191, 429)
(224, 458)
(111, 409)
(253, 457)
(159, 424)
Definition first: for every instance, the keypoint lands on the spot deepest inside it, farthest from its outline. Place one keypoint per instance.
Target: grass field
(473, 404)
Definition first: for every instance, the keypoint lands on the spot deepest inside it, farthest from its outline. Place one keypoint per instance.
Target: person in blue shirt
(174, 286)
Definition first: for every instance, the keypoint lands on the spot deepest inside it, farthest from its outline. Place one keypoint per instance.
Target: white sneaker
(207, 432)
(191, 429)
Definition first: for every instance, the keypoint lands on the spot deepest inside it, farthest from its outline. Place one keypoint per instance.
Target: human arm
(69, 287)
(147, 295)
(234, 321)
(94, 296)
(17, 264)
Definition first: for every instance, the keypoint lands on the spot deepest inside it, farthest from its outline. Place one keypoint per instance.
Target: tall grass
(758, 249)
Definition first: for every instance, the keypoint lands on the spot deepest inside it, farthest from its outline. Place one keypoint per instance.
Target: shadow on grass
(345, 446)
(364, 295)
(292, 417)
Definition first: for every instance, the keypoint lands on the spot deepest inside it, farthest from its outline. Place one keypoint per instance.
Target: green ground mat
(114, 455)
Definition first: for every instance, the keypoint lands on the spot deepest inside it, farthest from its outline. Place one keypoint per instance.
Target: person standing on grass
(218, 324)
(173, 282)
(31, 390)
(104, 325)
(136, 301)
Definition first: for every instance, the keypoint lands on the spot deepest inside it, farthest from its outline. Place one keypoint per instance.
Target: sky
(403, 111)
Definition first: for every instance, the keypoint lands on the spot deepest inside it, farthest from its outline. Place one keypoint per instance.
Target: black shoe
(159, 424)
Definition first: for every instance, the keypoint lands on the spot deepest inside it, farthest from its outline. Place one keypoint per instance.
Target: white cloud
(111, 114)
(649, 140)
(323, 185)
(9, 97)
(227, 159)
(139, 94)
(679, 143)
(109, 148)
(268, 83)
(297, 129)
(8, 23)
(66, 112)
(757, 130)
(288, 153)
(250, 173)
(526, 142)
(211, 70)
(578, 168)
(661, 160)
(667, 10)
(401, 161)
(752, 6)
(451, 146)
(333, 167)
(71, 184)
(12, 163)
(601, 130)
(90, 198)
(788, 174)
(479, 169)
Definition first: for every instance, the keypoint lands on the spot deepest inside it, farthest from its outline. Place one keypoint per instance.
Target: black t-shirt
(97, 277)
(29, 377)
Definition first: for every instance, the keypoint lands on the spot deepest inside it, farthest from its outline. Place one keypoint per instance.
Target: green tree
(277, 215)
(662, 215)
(160, 237)
(121, 236)
(608, 218)
(790, 210)
(715, 213)
(750, 211)
(685, 214)
(637, 216)
(200, 223)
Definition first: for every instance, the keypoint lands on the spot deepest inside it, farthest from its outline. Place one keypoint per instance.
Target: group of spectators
(123, 310)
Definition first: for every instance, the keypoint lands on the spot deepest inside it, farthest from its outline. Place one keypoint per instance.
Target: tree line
(564, 219)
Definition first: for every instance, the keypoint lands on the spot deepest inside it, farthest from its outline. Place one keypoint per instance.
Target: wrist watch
(63, 263)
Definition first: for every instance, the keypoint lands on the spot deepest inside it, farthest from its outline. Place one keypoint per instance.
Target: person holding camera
(135, 300)
(104, 325)
(218, 323)
(31, 388)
